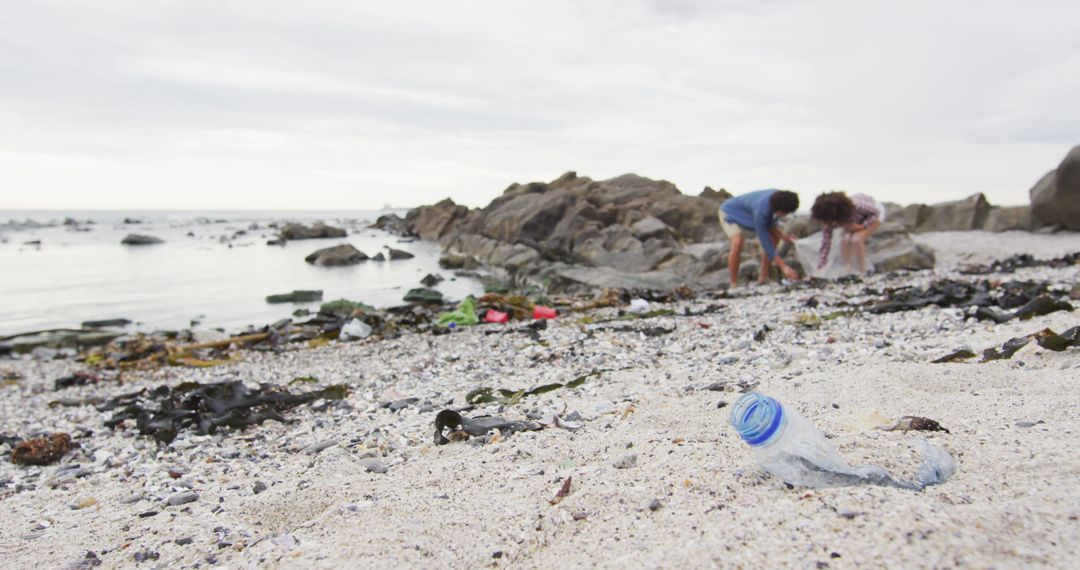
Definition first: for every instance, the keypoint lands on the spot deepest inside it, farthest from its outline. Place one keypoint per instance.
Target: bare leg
(859, 238)
(733, 259)
(766, 264)
(845, 248)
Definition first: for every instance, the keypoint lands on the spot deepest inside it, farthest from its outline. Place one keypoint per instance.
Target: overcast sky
(272, 104)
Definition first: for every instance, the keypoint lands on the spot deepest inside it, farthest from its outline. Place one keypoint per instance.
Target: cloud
(352, 102)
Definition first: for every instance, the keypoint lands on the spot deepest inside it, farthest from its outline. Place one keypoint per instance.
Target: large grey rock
(136, 239)
(1002, 219)
(436, 221)
(1055, 198)
(338, 255)
(392, 224)
(959, 215)
(893, 250)
(293, 231)
(575, 278)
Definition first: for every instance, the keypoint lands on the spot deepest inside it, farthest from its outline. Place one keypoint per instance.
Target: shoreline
(303, 494)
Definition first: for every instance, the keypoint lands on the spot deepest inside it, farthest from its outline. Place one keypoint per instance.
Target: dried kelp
(1029, 298)
(206, 408)
(1020, 261)
(41, 450)
(1045, 338)
(488, 395)
(452, 426)
(913, 423)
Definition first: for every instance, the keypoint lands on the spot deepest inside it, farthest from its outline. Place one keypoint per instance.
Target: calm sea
(214, 268)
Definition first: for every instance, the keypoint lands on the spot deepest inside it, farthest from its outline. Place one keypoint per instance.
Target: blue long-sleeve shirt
(752, 211)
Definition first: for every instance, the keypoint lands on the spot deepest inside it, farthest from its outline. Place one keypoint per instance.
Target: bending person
(859, 216)
(758, 212)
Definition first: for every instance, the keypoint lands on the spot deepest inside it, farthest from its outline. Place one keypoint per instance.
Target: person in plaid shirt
(859, 215)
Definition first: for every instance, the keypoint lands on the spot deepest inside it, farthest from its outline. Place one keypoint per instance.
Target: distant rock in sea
(136, 239)
(335, 256)
(320, 230)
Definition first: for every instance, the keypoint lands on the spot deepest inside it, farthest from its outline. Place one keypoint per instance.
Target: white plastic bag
(807, 249)
(355, 329)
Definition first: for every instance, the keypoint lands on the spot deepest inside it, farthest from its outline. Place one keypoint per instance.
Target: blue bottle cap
(756, 417)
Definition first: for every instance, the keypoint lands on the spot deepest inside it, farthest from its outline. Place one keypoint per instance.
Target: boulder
(392, 224)
(650, 227)
(451, 261)
(959, 215)
(379, 257)
(431, 280)
(293, 231)
(338, 255)
(105, 323)
(433, 222)
(575, 278)
(299, 296)
(136, 239)
(718, 196)
(893, 250)
(1002, 219)
(424, 296)
(398, 254)
(1055, 198)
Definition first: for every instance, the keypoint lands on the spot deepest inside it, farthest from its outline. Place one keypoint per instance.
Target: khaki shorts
(730, 229)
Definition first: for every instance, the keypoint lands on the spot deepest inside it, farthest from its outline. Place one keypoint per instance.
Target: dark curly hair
(784, 201)
(832, 208)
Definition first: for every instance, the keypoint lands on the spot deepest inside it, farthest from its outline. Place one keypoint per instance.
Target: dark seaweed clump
(205, 408)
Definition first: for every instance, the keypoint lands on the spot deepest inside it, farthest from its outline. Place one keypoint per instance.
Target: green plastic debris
(464, 315)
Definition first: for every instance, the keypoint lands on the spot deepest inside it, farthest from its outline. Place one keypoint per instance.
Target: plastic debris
(355, 329)
(497, 317)
(464, 315)
(638, 306)
(542, 312)
(789, 447)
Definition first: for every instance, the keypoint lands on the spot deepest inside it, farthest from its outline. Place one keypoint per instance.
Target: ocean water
(214, 268)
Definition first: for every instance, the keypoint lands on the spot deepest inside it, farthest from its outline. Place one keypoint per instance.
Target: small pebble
(182, 498)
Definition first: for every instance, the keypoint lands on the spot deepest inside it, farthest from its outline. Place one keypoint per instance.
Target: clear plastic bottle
(791, 448)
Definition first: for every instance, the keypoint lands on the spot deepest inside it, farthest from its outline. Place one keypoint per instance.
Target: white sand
(1013, 501)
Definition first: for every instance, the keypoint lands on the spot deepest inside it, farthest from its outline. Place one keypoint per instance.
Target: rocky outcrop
(1055, 198)
(392, 224)
(972, 213)
(335, 256)
(1005, 218)
(292, 231)
(437, 221)
(575, 233)
(136, 239)
(892, 249)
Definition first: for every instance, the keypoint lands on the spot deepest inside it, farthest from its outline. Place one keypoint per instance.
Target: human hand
(855, 228)
(790, 238)
(790, 273)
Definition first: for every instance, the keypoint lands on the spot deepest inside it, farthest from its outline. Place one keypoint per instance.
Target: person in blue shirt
(758, 212)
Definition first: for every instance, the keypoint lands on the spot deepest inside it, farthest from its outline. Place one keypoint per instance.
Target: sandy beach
(658, 476)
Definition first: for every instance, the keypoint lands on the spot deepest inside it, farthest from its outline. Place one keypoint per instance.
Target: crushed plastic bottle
(355, 329)
(789, 447)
